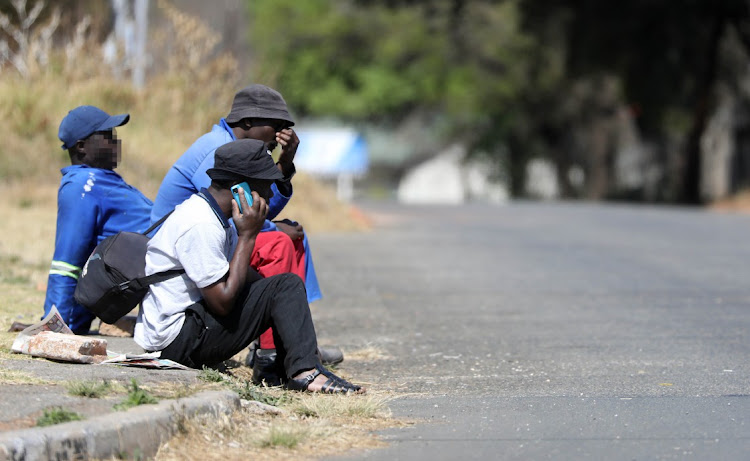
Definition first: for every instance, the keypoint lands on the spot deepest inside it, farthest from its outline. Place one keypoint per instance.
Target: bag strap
(143, 282)
(203, 196)
(157, 223)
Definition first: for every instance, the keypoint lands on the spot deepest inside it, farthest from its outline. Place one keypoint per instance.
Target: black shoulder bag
(113, 280)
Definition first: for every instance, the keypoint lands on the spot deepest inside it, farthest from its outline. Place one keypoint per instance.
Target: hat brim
(112, 122)
(257, 112)
(221, 174)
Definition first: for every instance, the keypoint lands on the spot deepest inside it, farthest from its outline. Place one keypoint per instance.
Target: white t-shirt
(195, 238)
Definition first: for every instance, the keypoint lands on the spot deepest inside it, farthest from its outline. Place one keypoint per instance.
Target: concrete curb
(135, 433)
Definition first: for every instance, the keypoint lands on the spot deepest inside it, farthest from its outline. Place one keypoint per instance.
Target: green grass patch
(57, 415)
(210, 375)
(136, 396)
(90, 389)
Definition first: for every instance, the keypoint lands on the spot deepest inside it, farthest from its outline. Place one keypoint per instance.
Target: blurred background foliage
(623, 101)
(52, 59)
(521, 79)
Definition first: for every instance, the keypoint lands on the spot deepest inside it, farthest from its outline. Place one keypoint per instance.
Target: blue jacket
(92, 204)
(188, 175)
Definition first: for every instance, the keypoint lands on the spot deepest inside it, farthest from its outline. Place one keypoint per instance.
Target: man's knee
(289, 281)
(276, 241)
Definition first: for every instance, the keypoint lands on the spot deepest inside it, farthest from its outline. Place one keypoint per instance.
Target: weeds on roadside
(136, 396)
(90, 389)
(210, 375)
(282, 436)
(176, 390)
(57, 415)
(249, 391)
(359, 407)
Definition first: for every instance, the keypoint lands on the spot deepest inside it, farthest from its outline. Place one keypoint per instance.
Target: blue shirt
(92, 204)
(188, 175)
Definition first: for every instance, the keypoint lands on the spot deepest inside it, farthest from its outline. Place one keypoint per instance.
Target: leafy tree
(383, 61)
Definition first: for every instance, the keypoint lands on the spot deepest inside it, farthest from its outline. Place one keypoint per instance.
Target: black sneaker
(266, 369)
(330, 355)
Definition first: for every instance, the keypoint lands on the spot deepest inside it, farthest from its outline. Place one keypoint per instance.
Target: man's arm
(282, 189)
(279, 199)
(221, 296)
(75, 238)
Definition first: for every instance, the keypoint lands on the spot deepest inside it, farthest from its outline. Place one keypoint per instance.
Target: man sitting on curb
(258, 112)
(221, 303)
(93, 202)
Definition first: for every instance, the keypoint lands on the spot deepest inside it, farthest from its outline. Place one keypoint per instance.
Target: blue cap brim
(113, 121)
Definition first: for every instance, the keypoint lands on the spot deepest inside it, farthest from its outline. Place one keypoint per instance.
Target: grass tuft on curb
(88, 388)
(136, 396)
(57, 415)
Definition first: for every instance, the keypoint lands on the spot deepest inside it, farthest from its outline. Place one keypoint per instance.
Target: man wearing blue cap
(93, 202)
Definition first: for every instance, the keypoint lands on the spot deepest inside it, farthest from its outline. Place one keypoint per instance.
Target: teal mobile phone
(236, 194)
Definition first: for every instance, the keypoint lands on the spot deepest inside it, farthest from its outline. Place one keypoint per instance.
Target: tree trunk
(691, 187)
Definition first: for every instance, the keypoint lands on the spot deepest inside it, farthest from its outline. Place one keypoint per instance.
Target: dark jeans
(278, 302)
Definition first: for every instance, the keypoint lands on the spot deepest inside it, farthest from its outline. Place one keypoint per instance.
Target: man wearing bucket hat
(221, 303)
(258, 112)
(93, 202)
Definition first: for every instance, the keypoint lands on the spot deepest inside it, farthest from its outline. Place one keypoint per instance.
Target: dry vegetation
(167, 115)
(312, 426)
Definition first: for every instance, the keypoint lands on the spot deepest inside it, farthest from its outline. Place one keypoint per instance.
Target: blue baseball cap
(83, 121)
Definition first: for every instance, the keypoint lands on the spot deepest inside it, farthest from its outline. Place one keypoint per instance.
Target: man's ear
(78, 152)
(246, 123)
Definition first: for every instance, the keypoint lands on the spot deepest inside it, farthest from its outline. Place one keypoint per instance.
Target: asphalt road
(548, 331)
(526, 331)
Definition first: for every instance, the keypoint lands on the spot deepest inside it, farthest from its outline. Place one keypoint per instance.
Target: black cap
(259, 101)
(243, 159)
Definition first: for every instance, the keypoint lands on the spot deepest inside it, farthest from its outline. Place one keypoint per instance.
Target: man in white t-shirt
(221, 303)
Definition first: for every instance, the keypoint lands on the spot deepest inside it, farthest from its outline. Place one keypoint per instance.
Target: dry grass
(307, 425)
(178, 390)
(369, 353)
(19, 377)
(246, 434)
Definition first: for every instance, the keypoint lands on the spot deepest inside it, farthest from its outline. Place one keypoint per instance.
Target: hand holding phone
(244, 187)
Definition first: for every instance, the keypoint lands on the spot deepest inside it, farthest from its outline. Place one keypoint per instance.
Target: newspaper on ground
(147, 360)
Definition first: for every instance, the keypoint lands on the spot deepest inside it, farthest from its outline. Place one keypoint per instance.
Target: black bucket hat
(243, 159)
(259, 101)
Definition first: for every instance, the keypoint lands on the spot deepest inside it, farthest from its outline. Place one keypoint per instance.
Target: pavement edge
(136, 433)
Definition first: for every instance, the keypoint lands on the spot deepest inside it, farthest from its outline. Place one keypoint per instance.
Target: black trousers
(279, 302)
